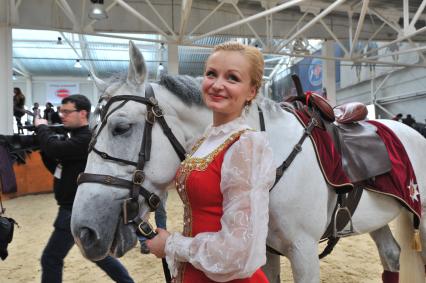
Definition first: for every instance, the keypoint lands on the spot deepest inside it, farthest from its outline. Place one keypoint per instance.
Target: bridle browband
(154, 113)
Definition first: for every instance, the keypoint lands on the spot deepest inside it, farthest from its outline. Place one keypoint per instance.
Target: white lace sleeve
(237, 250)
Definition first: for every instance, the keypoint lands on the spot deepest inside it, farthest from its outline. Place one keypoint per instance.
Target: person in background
(66, 157)
(324, 92)
(18, 107)
(48, 111)
(409, 120)
(224, 182)
(36, 110)
(397, 117)
(56, 119)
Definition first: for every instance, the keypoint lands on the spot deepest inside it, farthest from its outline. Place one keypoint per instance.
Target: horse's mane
(186, 88)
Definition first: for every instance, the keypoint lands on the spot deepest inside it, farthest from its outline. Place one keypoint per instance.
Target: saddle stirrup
(344, 232)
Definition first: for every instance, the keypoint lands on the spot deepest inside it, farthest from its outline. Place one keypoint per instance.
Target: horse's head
(123, 181)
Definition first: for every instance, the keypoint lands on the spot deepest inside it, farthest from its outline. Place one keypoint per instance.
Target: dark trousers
(61, 242)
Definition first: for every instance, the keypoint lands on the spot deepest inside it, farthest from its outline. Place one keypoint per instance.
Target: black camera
(60, 137)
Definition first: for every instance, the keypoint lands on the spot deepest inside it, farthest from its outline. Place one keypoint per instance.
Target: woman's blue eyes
(229, 77)
(233, 78)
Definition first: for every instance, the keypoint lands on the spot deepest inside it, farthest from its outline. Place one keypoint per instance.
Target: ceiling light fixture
(162, 47)
(77, 64)
(59, 41)
(14, 76)
(160, 67)
(97, 12)
(89, 77)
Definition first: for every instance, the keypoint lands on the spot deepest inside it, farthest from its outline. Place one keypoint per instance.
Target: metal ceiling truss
(314, 15)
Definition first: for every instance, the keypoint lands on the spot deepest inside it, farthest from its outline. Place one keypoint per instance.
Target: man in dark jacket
(66, 157)
(409, 120)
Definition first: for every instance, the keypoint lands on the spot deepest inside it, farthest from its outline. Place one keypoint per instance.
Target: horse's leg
(272, 268)
(303, 255)
(389, 252)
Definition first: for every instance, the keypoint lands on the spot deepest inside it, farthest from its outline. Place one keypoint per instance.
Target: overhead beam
(63, 4)
(400, 39)
(384, 19)
(276, 68)
(79, 56)
(360, 25)
(397, 98)
(142, 18)
(404, 51)
(284, 43)
(184, 18)
(321, 15)
(248, 25)
(417, 15)
(206, 18)
(383, 108)
(83, 15)
(86, 54)
(14, 15)
(22, 70)
(334, 37)
(377, 32)
(16, 70)
(406, 14)
(345, 59)
(269, 31)
(161, 18)
(381, 84)
(275, 9)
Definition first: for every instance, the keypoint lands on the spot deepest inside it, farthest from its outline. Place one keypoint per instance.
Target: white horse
(301, 203)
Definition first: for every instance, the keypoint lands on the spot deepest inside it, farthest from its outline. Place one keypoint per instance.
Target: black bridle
(131, 205)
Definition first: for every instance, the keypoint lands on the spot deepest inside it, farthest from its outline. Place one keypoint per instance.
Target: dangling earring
(247, 107)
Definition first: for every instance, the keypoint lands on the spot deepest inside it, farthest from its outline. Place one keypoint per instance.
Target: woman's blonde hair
(253, 55)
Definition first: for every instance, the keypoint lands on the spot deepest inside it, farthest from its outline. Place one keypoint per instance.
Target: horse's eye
(121, 129)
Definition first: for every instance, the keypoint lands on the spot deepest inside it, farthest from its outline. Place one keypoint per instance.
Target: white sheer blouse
(248, 172)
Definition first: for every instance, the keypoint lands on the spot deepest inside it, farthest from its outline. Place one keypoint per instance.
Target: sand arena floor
(355, 259)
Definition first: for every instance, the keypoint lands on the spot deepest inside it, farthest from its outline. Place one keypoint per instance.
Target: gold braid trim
(201, 163)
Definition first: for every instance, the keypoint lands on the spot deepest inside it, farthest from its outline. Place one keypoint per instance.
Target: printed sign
(56, 91)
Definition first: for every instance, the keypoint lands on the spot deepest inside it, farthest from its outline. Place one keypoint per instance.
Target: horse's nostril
(88, 237)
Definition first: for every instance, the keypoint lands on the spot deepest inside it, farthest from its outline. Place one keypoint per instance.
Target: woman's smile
(217, 97)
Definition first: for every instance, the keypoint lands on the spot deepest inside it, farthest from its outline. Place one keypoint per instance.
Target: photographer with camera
(66, 157)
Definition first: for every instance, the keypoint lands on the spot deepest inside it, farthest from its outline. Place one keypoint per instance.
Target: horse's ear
(100, 84)
(137, 68)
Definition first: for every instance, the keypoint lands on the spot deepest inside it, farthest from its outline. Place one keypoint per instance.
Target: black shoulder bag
(6, 231)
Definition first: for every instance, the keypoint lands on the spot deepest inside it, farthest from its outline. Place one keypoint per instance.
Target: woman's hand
(157, 244)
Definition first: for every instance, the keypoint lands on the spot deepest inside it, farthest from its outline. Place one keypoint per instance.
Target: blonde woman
(224, 182)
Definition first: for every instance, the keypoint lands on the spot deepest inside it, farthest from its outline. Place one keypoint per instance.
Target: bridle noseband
(154, 114)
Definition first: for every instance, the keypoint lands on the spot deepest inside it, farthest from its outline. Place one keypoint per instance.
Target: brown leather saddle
(364, 154)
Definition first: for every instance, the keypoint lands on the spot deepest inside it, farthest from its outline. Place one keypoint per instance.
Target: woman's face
(227, 85)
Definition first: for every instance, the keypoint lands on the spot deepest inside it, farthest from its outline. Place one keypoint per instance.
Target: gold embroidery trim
(200, 163)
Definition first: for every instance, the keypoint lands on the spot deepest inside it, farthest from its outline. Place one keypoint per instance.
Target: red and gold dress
(224, 185)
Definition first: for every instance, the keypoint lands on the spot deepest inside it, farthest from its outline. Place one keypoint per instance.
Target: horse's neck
(194, 121)
(282, 127)
(273, 114)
